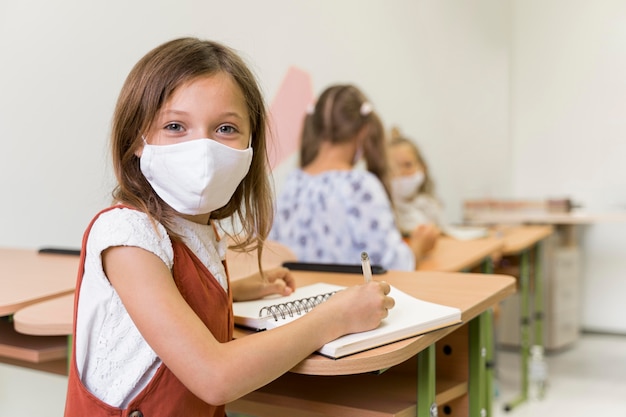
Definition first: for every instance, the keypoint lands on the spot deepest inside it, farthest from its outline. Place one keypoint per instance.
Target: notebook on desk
(410, 317)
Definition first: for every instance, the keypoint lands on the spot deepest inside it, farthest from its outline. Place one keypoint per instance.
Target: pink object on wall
(287, 113)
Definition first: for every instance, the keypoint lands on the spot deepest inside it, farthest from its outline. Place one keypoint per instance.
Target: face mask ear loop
(250, 141)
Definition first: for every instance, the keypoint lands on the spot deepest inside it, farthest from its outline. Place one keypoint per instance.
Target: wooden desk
(452, 255)
(451, 393)
(464, 255)
(243, 264)
(27, 278)
(543, 217)
(321, 386)
(48, 318)
(53, 315)
(517, 239)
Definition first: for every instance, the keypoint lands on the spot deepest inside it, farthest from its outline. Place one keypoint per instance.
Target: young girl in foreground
(153, 319)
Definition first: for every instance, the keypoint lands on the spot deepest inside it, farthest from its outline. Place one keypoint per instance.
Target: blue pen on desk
(367, 268)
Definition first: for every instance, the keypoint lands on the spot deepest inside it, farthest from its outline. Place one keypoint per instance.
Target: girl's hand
(277, 281)
(423, 239)
(359, 308)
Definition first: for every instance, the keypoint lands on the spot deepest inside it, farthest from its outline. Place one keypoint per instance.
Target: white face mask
(197, 176)
(406, 186)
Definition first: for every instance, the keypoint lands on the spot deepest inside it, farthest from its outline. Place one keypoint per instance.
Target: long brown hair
(341, 112)
(148, 86)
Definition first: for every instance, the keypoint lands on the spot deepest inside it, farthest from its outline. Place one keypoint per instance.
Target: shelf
(31, 349)
(391, 393)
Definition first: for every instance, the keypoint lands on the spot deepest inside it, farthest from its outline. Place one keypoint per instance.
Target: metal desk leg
(538, 303)
(489, 361)
(70, 346)
(524, 329)
(426, 383)
(489, 349)
(477, 370)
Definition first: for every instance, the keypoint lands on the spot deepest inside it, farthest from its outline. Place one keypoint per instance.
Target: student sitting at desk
(412, 188)
(153, 320)
(329, 211)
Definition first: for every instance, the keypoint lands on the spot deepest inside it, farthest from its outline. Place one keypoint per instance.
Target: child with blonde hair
(412, 188)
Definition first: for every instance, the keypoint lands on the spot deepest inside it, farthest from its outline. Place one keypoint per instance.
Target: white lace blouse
(114, 361)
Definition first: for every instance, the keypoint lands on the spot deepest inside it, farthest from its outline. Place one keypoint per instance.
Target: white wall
(569, 128)
(436, 68)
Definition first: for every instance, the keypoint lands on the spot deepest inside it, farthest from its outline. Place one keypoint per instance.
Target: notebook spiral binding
(291, 308)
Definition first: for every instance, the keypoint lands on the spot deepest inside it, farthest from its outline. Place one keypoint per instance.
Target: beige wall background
(568, 130)
(514, 98)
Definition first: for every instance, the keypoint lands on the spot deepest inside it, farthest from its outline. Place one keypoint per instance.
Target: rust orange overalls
(165, 395)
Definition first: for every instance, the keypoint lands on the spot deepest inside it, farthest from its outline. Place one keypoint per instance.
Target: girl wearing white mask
(412, 188)
(153, 317)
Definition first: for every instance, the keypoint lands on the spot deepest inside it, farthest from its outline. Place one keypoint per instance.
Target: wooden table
(52, 317)
(456, 255)
(352, 386)
(452, 255)
(522, 241)
(27, 278)
(453, 383)
(55, 316)
(47, 310)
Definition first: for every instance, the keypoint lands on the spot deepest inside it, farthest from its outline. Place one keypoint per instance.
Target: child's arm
(277, 281)
(222, 372)
(423, 239)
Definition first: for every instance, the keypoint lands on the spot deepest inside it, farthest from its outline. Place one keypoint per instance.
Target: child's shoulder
(126, 226)
(120, 216)
(121, 226)
(366, 181)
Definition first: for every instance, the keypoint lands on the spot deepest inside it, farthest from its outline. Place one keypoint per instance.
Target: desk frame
(529, 318)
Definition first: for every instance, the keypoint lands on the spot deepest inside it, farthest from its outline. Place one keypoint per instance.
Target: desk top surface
(452, 255)
(27, 277)
(52, 317)
(518, 238)
(544, 217)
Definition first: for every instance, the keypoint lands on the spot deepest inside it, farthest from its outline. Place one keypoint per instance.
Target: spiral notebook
(410, 317)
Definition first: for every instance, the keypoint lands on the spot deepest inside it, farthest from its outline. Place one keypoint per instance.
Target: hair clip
(310, 109)
(366, 108)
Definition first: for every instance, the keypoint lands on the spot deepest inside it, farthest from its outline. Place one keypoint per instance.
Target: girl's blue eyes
(177, 127)
(226, 129)
(174, 127)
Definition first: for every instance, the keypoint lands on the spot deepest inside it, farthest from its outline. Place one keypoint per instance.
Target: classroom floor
(588, 379)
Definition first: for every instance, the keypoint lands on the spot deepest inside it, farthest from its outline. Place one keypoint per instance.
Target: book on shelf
(410, 317)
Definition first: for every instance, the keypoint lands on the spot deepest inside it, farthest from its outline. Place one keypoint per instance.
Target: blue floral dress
(334, 216)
